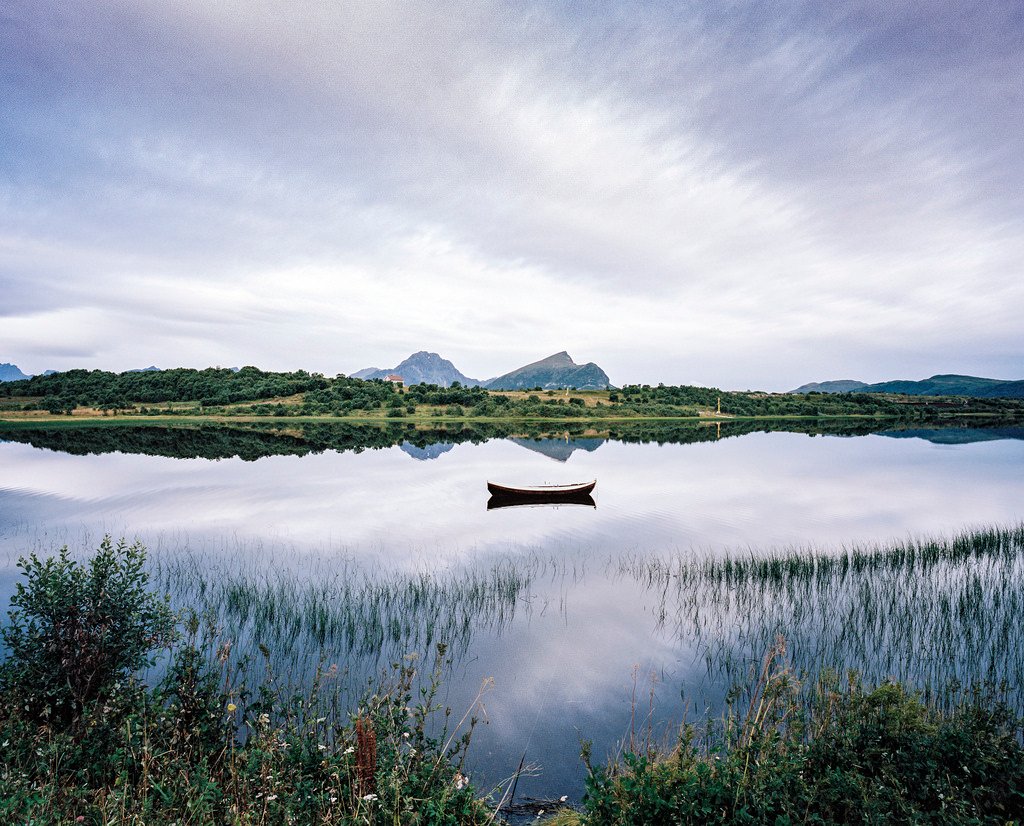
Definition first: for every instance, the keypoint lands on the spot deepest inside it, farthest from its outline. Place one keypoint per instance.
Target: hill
(553, 373)
(422, 368)
(953, 385)
(939, 385)
(839, 386)
(10, 372)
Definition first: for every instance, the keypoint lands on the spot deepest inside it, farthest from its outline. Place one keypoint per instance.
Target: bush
(847, 755)
(77, 629)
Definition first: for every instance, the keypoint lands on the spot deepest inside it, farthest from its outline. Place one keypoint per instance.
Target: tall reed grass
(930, 611)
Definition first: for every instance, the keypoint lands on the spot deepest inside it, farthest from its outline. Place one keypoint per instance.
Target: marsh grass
(340, 608)
(928, 611)
(933, 612)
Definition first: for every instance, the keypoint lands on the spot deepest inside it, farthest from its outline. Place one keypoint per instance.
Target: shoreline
(86, 420)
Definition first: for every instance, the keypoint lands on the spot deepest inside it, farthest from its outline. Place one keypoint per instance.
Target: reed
(930, 611)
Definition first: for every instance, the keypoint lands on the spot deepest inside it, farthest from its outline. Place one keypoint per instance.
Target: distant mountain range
(941, 385)
(554, 372)
(10, 372)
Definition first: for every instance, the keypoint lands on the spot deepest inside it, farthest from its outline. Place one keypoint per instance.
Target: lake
(374, 544)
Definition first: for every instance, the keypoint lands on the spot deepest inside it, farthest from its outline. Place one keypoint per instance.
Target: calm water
(568, 608)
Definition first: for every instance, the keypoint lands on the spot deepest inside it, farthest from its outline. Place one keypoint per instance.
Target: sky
(737, 194)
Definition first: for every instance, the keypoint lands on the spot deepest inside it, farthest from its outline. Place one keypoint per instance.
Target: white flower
(322, 747)
(271, 797)
(563, 798)
(334, 800)
(369, 797)
(460, 781)
(350, 749)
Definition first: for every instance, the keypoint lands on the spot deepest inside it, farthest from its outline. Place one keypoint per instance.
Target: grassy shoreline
(220, 738)
(35, 419)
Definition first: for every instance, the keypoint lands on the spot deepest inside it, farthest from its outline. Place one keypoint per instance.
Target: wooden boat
(545, 492)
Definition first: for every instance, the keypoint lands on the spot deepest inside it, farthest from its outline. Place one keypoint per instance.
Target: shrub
(77, 628)
(848, 754)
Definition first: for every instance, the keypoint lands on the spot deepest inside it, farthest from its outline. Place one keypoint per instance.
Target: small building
(394, 378)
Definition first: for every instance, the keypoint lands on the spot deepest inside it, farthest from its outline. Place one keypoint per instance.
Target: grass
(929, 611)
(245, 721)
(342, 607)
(836, 752)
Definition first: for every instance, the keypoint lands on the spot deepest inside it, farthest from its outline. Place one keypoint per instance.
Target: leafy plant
(76, 629)
(847, 754)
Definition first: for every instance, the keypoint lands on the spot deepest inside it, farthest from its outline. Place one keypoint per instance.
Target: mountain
(940, 385)
(840, 386)
(10, 372)
(150, 369)
(553, 373)
(422, 368)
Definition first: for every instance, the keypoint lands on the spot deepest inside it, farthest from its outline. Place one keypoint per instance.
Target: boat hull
(545, 492)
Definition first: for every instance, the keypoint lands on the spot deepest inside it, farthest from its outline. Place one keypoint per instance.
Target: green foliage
(229, 392)
(847, 755)
(212, 386)
(204, 746)
(76, 629)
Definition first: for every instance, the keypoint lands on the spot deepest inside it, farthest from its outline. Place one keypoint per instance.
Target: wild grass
(929, 611)
(830, 752)
(361, 617)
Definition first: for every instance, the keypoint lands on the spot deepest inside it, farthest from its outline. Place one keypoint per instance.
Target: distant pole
(719, 405)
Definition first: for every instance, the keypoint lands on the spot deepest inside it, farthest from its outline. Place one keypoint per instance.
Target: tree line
(299, 393)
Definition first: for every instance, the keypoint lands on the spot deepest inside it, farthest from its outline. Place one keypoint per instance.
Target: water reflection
(253, 440)
(511, 500)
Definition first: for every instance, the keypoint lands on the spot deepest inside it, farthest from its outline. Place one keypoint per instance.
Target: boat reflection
(512, 500)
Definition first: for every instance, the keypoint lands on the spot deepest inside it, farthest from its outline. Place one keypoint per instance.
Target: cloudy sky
(741, 194)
